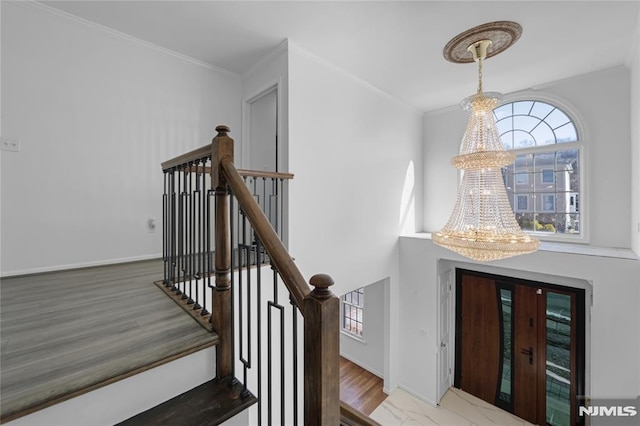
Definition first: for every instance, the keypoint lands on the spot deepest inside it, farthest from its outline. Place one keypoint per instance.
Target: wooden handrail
(265, 174)
(191, 156)
(278, 255)
(245, 173)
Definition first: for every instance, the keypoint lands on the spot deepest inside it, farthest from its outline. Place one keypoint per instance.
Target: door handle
(528, 352)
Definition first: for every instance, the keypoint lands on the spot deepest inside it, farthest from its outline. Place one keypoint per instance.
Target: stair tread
(209, 404)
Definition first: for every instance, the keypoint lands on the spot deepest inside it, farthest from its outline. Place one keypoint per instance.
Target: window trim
(582, 145)
(343, 302)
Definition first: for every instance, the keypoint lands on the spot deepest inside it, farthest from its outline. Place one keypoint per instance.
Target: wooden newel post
(322, 354)
(222, 147)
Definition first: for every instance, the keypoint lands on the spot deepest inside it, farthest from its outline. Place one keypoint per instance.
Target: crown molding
(36, 4)
(295, 48)
(274, 53)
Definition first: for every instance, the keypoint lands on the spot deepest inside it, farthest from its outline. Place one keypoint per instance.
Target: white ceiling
(395, 46)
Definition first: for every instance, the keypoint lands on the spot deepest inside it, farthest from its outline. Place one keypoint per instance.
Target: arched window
(544, 183)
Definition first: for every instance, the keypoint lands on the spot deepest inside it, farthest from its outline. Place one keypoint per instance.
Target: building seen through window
(543, 184)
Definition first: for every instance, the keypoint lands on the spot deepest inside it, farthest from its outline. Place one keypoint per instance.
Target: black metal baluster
(280, 309)
(179, 230)
(195, 244)
(174, 260)
(190, 234)
(210, 195)
(274, 206)
(294, 326)
(203, 248)
(282, 364)
(241, 308)
(165, 274)
(185, 233)
(259, 321)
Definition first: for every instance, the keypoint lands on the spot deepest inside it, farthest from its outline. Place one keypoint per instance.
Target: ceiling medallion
(503, 34)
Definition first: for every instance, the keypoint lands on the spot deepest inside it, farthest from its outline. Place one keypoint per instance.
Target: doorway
(520, 345)
(262, 139)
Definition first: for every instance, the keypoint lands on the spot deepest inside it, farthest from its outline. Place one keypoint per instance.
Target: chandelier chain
(480, 75)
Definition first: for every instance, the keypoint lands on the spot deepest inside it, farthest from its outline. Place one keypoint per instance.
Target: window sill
(353, 336)
(564, 247)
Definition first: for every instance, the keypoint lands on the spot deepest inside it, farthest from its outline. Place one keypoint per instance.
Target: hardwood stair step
(209, 404)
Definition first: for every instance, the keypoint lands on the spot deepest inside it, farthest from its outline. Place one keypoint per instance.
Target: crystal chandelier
(482, 225)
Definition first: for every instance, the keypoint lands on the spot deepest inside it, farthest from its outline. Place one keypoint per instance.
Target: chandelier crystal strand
(482, 225)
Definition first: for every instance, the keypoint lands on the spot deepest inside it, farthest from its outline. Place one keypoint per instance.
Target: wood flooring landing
(65, 333)
(360, 388)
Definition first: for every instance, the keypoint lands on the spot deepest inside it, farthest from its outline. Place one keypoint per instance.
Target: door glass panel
(558, 376)
(506, 387)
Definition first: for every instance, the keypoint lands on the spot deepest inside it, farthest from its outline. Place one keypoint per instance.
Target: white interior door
(263, 135)
(445, 349)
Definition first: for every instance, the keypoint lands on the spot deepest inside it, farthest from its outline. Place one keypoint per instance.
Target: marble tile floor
(456, 408)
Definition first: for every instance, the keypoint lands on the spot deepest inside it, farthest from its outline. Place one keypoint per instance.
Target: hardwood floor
(360, 388)
(65, 333)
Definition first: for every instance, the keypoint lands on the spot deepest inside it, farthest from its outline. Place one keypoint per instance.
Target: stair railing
(241, 243)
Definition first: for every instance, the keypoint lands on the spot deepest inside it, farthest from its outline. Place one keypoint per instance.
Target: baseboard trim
(45, 269)
(366, 367)
(417, 395)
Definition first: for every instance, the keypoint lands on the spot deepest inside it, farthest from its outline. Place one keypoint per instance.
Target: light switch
(13, 145)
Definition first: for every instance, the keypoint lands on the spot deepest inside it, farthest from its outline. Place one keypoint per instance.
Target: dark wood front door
(480, 342)
(518, 346)
(526, 352)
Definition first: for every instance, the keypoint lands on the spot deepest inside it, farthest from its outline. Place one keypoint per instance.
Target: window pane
(503, 111)
(523, 203)
(522, 107)
(543, 135)
(557, 119)
(549, 203)
(525, 123)
(507, 378)
(524, 163)
(353, 312)
(558, 377)
(525, 221)
(522, 178)
(545, 161)
(522, 139)
(548, 176)
(566, 133)
(541, 110)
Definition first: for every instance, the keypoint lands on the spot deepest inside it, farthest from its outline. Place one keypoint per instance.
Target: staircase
(226, 264)
(275, 337)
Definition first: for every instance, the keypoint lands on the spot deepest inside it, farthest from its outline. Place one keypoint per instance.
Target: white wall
(369, 353)
(351, 148)
(615, 321)
(601, 101)
(97, 112)
(634, 65)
